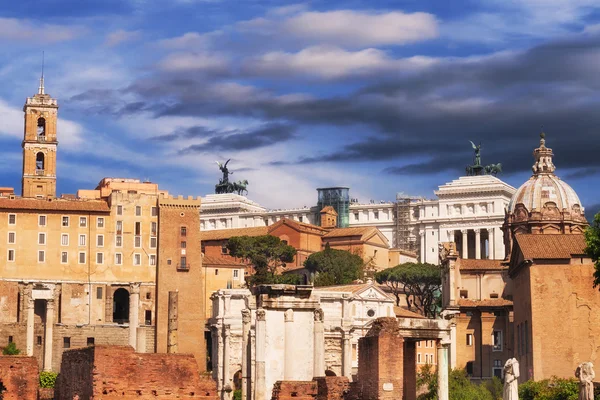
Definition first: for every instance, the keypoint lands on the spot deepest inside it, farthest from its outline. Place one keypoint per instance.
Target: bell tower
(39, 145)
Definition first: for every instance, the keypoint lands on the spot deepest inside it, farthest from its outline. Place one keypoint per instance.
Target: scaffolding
(403, 206)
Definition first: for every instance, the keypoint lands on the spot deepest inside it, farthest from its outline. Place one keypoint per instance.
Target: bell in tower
(39, 145)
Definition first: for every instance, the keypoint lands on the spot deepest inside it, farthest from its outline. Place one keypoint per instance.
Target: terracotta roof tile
(550, 246)
(221, 234)
(354, 231)
(221, 262)
(301, 226)
(484, 303)
(20, 203)
(470, 264)
(350, 288)
(404, 313)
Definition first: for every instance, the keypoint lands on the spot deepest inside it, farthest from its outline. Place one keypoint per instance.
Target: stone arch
(40, 161)
(121, 306)
(41, 127)
(237, 380)
(330, 373)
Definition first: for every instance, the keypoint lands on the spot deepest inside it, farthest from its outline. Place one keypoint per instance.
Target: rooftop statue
(224, 186)
(477, 168)
(477, 160)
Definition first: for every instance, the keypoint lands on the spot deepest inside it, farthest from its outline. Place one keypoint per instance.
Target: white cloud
(26, 30)
(333, 62)
(350, 28)
(121, 36)
(193, 62)
(189, 40)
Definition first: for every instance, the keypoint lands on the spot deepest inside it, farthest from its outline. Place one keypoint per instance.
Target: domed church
(556, 320)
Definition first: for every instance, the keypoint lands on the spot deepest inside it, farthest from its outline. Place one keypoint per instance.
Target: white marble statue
(585, 374)
(511, 384)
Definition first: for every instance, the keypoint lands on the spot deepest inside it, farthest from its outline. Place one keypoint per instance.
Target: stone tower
(39, 145)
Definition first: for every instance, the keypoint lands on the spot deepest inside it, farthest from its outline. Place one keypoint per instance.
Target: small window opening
(90, 341)
(41, 127)
(39, 161)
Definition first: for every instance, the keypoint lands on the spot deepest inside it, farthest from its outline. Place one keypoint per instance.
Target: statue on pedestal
(511, 384)
(585, 374)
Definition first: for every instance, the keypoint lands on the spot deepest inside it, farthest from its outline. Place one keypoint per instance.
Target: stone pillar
(423, 250)
(246, 320)
(252, 379)
(30, 323)
(347, 356)
(134, 313)
(478, 244)
(410, 370)
(319, 345)
(465, 244)
(491, 244)
(261, 325)
(442, 356)
(172, 336)
(226, 360)
(48, 339)
(453, 348)
(288, 366)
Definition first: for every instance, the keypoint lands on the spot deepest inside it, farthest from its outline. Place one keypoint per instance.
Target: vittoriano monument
(224, 186)
(477, 168)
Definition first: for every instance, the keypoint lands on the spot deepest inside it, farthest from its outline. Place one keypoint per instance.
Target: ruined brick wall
(294, 390)
(20, 377)
(332, 387)
(111, 372)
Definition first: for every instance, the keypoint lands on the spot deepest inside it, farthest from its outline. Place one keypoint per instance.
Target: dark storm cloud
(591, 211)
(264, 136)
(190, 133)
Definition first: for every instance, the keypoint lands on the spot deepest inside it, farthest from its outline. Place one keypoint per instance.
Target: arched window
(41, 127)
(330, 373)
(121, 306)
(39, 161)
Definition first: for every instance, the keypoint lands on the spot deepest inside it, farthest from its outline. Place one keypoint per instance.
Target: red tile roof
(404, 313)
(468, 303)
(19, 203)
(221, 234)
(470, 264)
(354, 231)
(221, 262)
(551, 246)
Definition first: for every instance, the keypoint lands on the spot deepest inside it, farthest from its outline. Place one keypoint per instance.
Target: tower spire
(543, 158)
(41, 88)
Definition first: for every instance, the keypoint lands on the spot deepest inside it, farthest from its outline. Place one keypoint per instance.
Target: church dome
(542, 189)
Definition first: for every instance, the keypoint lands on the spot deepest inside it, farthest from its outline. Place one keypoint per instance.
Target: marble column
(30, 323)
(48, 339)
(347, 356)
(491, 244)
(289, 362)
(246, 320)
(465, 244)
(478, 244)
(319, 345)
(453, 347)
(423, 251)
(226, 359)
(134, 316)
(252, 365)
(442, 371)
(261, 325)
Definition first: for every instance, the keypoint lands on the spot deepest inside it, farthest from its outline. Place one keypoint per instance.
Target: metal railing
(183, 267)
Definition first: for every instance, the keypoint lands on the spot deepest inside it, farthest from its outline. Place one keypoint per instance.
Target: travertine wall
(19, 375)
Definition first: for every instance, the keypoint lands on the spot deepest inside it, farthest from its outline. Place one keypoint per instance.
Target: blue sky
(382, 96)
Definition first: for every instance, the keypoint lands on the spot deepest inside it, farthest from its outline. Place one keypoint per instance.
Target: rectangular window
(419, 358)
(99, 293)
(138, 211)
(119, 210)
(301, 218)
(119, 241)
(41, 256)
(154, 211)
(148, 317)
(137, 241)
(90, 341)
(65, 222)
(183, 263)
(119, 227)
(99, 258)
(137, 259)
(64, 239)
(497, 341)
(41, 238)
(100, 240)
(236, 274)
(138, 228)
(82, 222)
(469, 368)
(153, 229)
(152, 259)
(12, 219)
(64, 257)
(82, 240)
(426, 358)
(100, 222)
(42, 220)
(66, 342)
(469, 339)
(118, 258)
(224, 248)
(376, 216)
(39, 340)
(464, 294)
(356, 216)
(183, 245)
(153, 242)
(81, 257)
(183, 231)
(11, 255)
(12, 237)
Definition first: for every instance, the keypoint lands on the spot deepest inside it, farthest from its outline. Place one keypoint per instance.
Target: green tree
(334, 267)
(48, 379)
(268, 254)
(420, 281)
(11, 350)
(592, 240)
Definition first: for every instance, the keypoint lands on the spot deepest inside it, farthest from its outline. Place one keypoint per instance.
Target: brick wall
(332, 387)
(111, 372)
(294, 390)
(20, 377)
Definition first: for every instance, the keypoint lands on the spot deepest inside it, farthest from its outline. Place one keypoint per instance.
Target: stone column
(48, 342)
(226, 359)
(319, 345)
(261, 325)
(246, 320)
(465, 244)
(289, 362)
(172, 335)
(134, 313)
(442, 370)
(422, 245)
(347, 356)
(478, 244)
(491, 244)
(252, 379)
(30, 322)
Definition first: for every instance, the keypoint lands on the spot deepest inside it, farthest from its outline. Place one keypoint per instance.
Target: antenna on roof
(41, 88)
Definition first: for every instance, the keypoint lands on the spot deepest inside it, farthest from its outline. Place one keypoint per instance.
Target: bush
(237, 394)
(11, 350)
(459, 385)
(495, 387)
(550, 389)
(48, 379)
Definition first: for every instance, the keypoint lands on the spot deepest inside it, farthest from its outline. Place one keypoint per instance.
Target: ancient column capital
(261, 315)
(50, 304)
(246, 316)
(319, 315)
(477, 231)
(134, 288)
(289, 315)
(464, 231)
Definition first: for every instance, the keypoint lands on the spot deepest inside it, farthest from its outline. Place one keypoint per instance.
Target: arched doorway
(237, 380)
(121, 306)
